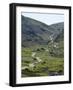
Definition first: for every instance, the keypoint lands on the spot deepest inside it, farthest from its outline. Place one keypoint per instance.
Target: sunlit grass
(45, 67)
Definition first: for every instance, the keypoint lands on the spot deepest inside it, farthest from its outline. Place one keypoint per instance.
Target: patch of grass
(26, 52)
(50, 65)
(26, 61)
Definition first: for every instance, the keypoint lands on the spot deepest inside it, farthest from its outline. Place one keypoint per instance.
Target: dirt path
(37, 58)
(33, 54)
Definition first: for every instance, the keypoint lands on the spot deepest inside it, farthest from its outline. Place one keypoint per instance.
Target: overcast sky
(48, 18)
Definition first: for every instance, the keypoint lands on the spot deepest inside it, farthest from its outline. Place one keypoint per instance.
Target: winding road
(37, 58)
(31, 65)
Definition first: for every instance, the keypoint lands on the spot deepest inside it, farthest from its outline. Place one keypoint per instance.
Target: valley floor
(39, 62)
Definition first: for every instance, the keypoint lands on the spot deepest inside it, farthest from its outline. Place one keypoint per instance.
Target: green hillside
(42, 48)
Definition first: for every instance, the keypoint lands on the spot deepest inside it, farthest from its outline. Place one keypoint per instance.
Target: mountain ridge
(36, 32)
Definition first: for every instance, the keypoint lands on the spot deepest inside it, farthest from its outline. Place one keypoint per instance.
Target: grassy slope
(48, 66)
(35, 34)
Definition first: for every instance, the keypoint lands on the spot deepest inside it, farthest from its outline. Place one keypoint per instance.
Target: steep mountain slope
(35, 32)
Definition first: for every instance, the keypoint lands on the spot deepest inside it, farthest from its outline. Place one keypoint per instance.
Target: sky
(47, 18)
